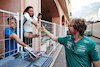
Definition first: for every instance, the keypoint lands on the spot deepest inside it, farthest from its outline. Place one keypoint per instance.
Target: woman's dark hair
(27, 8)
(79, 25)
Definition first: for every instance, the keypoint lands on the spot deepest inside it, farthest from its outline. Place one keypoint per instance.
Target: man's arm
(96, 63)
(29, 35)
(18, 40)
(93, 54)
(53, 37)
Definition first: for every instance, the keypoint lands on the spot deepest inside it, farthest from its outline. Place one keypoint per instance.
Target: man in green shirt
(80, 51)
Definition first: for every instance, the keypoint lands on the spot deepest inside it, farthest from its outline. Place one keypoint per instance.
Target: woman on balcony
(29, 21)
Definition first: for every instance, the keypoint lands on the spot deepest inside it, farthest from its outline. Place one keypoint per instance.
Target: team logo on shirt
(96, 49)
(81, 48)
(85, 41)
(69, 38)
(69, 44)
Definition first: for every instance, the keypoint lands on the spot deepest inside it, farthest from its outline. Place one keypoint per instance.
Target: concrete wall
(11, 5)
(96, 29)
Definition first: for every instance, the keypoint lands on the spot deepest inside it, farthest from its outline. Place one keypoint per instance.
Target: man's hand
(42, 29)
(36, 35)
(27, 46)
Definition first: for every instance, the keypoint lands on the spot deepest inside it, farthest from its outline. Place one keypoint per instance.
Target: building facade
(55, 11)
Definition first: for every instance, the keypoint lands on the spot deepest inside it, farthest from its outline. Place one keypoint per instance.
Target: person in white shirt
(28, 22)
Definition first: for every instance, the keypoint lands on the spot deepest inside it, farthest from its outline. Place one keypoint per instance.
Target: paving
(60, 61)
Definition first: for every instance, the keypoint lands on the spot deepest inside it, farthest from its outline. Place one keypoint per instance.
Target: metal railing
(55, 29)
(47, 44)
(4, 24)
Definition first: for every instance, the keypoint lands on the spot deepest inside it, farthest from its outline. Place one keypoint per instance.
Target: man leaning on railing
(11, 32)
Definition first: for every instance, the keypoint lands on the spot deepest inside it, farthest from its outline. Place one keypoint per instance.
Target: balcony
(48, 46)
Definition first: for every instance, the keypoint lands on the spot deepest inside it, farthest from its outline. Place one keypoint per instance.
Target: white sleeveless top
(27, 19)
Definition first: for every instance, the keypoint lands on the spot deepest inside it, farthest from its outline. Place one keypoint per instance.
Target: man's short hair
(79, 25)
(10, 19)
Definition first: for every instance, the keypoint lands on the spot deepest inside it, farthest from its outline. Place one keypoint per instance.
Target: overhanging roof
(64, 7)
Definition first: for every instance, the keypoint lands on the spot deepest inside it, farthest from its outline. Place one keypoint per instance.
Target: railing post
(17, 30)
(60, 30)
(21, 29)
(54, 32)
(66, 29)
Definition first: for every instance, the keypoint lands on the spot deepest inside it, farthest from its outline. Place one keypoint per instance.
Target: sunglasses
(73, 49)
(70, 25)
(11, 18)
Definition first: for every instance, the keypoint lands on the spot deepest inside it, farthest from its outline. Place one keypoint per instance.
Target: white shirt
(28, 20)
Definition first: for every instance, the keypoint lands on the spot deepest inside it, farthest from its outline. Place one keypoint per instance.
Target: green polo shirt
(85, 51)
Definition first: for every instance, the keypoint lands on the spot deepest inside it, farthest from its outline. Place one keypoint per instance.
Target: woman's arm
(33, 22)
(26, 15)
